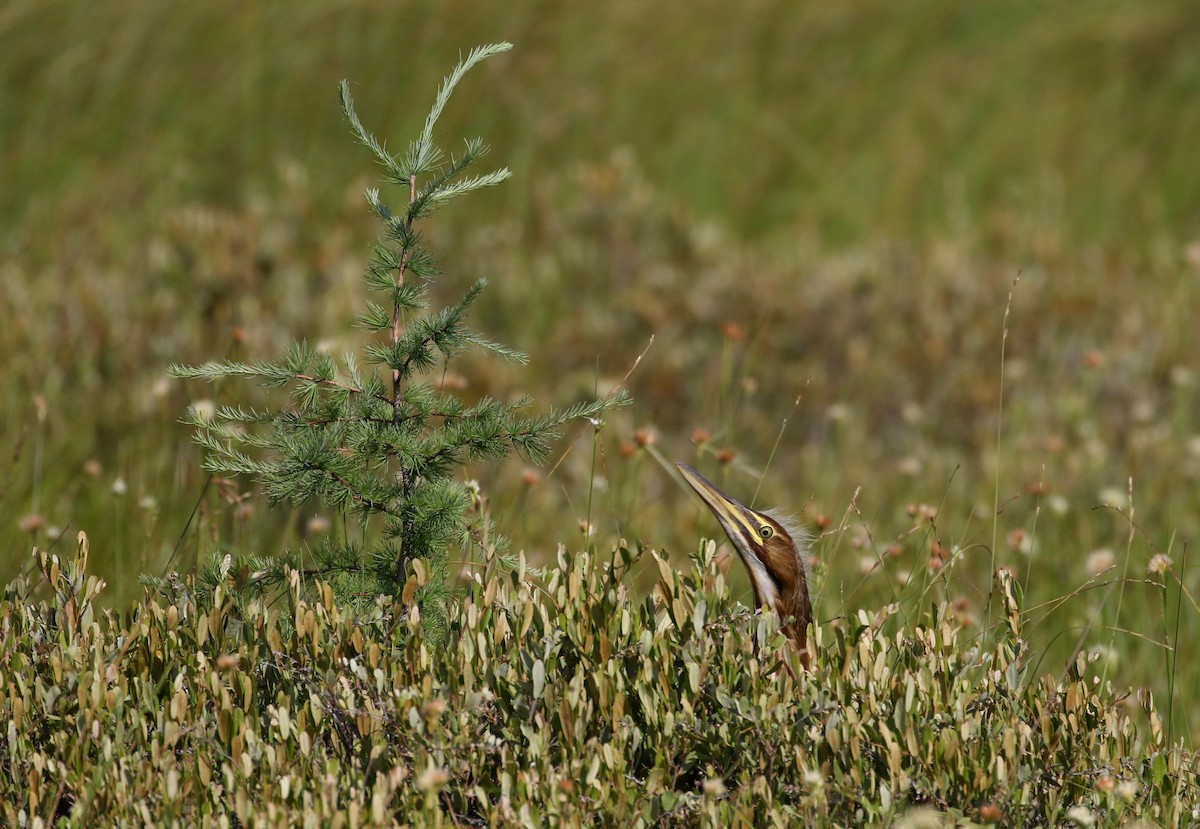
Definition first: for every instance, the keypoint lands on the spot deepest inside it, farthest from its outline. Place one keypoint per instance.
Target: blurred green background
(817, 210)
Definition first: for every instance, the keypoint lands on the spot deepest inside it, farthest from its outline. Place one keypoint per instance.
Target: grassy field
(925, 274)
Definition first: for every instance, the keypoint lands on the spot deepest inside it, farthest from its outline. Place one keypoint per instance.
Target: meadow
(924, 275)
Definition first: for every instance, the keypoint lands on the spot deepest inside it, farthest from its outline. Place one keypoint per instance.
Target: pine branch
(435, 197)
(385, 158)
(422, 155)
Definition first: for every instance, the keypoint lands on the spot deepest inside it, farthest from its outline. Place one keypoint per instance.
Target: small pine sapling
(369, 437)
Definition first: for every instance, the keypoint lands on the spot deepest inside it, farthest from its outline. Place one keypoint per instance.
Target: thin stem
(357, 496)
(1124, 576)
(38, 442)
(401, 269)
(587, 522)
(999, 443)
(324, 381)
(1174, 652)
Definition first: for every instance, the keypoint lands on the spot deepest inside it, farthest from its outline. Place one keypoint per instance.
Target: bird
(773, 549)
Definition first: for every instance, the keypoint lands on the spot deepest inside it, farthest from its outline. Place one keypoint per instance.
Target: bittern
(773, 550)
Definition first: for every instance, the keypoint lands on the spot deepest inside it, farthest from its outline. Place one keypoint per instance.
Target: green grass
(828, 203)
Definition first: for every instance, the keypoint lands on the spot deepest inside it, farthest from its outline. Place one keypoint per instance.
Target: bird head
(772, 550)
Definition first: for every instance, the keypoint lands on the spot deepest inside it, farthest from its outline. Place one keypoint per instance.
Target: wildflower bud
(32, 522)
(530, 477)
(626, 450)
(822, 521)
(1159, 564)
(732, 332)
(644, 438)
(1099, 560)
(204, 410)
(726, 456)
(700, 437)
(161, 388)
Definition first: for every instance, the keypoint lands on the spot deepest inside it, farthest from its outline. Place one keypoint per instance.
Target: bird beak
(734, 517)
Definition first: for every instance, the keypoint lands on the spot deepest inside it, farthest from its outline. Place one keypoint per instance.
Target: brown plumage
(773, 551)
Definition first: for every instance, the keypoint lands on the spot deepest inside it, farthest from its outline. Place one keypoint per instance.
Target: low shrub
(558, 696)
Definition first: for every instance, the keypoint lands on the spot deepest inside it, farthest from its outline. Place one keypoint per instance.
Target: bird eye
(766, 531)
